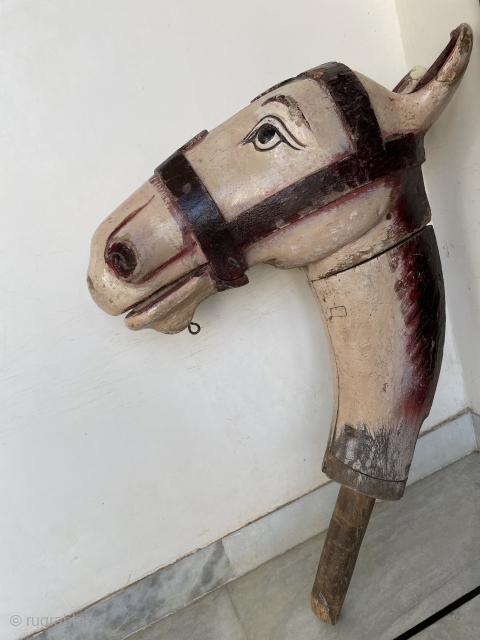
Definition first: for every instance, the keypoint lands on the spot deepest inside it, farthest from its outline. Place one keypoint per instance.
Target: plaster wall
(452, 171)
(122, 452)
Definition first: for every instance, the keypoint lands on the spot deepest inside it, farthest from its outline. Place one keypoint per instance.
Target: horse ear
(419, 98)
(426, 100)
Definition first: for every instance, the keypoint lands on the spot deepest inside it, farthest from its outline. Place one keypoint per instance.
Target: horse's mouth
(170, 309)
(155, 306)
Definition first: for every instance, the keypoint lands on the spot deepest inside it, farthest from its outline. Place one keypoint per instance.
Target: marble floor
(461, 624)
(418, 556)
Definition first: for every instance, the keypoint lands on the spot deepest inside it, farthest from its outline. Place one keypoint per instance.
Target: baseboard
(173, 587)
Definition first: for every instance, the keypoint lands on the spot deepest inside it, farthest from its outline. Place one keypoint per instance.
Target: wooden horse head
(323, 172)
(318, 169)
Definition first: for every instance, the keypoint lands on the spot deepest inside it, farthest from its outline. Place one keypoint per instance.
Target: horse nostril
(121, 258)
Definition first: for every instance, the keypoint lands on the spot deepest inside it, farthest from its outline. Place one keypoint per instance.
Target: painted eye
(269, 133)
(266, 135)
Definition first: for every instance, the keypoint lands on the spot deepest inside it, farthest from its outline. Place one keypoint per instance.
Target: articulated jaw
(294, 179)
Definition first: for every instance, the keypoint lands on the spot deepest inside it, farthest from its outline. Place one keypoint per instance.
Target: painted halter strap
(223, 242)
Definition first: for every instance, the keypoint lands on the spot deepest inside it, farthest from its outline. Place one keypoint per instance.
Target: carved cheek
(325, 231)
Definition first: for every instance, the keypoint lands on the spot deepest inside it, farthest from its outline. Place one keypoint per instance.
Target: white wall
(122, 452)
(452, 170)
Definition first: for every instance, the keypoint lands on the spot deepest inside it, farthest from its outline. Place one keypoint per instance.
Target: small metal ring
(194, 324)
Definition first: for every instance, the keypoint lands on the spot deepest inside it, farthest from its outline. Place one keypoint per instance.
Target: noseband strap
(223, 242)
(207, 223)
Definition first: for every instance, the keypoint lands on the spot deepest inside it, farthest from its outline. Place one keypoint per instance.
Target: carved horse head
(322, 172)
(322, 169)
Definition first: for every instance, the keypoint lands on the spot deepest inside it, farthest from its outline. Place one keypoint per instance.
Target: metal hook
(194, 324)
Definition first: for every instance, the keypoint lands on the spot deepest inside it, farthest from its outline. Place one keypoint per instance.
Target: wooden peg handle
(344, 537)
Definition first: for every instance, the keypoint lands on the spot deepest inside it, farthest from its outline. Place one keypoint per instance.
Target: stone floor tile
(461, 624)
(419, 555)
(211, 618)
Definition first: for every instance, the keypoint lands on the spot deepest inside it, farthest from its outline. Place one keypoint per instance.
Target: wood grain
(340, 552)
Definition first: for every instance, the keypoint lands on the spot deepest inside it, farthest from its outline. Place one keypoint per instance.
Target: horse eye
(266, 134)
(269, 133)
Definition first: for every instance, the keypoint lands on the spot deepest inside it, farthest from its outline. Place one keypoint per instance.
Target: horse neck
(385, 320)
(406, 212)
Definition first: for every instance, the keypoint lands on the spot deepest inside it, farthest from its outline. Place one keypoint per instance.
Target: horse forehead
(238, 176)
(305, 97)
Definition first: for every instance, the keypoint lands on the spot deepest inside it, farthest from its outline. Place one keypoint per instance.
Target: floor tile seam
(246, 606)
(172, 613)
(236, 612)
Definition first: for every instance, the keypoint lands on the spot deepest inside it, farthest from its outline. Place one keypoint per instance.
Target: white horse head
(321, 171)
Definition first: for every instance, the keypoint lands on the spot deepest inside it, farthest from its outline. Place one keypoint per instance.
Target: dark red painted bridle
(223, 242)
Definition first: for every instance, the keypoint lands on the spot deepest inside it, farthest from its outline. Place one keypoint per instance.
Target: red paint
(421, 291)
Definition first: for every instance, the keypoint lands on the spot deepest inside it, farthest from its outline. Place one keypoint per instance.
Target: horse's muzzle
(141, 248)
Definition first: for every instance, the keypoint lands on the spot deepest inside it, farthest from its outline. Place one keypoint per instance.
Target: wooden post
(344, 537)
